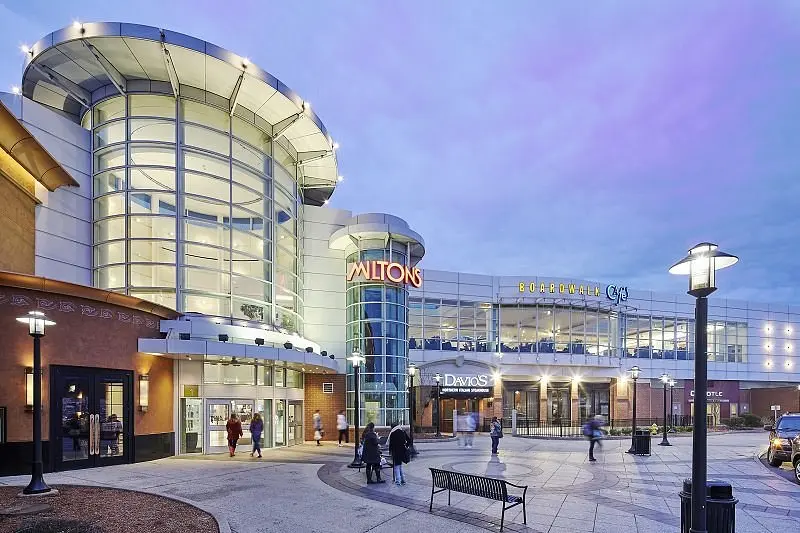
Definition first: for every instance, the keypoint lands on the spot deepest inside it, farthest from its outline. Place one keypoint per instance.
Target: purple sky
(536, 137)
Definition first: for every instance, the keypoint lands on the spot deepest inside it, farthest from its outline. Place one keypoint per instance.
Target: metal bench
(485, 487)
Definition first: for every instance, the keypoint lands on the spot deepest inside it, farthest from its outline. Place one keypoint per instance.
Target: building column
(573, 398)
(543, 400)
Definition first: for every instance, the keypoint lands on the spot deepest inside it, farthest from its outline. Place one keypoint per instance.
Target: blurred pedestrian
(341, 426)
(319, 432)
(256, 429)
(469, 427)
(234, 428)
(592, 430)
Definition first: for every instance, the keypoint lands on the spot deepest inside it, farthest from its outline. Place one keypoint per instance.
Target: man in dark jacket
(371, 454)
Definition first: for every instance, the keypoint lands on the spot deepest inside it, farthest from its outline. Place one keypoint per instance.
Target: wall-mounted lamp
(287, 345)
(28, 388)
(222, 337)
(144, 392)
(309, 349)
(259, 341)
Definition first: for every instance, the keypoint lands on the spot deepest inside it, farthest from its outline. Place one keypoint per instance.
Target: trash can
(720, 507)
(641, 442)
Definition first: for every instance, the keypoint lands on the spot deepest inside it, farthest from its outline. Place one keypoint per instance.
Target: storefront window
(294, 379)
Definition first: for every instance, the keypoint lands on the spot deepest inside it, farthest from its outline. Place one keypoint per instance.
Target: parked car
(781, 436)
(796, 458)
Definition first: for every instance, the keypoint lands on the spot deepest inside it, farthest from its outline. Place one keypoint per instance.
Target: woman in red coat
(234, 427)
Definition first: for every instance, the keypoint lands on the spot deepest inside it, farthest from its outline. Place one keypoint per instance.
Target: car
(796, 458)
(781, 436)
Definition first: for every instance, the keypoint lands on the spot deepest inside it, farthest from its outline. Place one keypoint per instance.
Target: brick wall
(89, 334)
(17, 228)
(329, 405)
(762, 399)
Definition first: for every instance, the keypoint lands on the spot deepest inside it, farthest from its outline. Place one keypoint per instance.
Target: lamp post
(356, 359)
(700, 265)
(438, 378)
(672, 383)
(36, 323)
(412, 371)
(635, 376)
(665, 379)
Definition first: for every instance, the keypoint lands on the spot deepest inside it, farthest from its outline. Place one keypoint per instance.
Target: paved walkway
(307, 488)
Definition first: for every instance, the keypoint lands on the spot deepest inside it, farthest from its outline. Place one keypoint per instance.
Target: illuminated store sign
(713, 396)
(612, 292)
(385, 271)
(463, 386)
(616, 294)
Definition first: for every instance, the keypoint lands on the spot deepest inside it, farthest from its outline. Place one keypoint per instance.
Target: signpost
(775, 409)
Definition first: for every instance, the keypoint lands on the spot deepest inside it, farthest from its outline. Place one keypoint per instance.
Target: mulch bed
(100, 510)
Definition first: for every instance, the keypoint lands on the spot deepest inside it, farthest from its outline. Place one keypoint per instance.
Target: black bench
(485, 487)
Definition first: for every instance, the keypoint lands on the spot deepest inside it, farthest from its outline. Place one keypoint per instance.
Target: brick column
(573, 398)
(543, 400)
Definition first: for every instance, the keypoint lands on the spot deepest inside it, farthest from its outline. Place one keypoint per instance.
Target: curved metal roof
(75, 66)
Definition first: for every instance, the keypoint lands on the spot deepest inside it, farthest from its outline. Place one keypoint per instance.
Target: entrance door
(295, 416)
(280, 422)
(91, 417)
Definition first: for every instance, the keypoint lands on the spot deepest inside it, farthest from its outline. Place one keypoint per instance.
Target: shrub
(733, 422)
(613, 432)
(750, 420)
(626, 431)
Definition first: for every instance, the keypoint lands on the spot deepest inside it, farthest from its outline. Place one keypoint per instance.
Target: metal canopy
(91, 61)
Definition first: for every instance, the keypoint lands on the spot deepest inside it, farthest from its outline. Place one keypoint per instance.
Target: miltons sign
(612, 292)
(385, 271)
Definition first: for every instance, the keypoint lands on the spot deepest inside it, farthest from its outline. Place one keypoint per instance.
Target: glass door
(266, 416)
(218, 412)
(295, 419)
(191, 425)
(91, 417)
(280, 422)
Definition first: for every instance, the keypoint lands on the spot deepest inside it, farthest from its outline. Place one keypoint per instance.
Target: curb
(222, 522)
(443, 439)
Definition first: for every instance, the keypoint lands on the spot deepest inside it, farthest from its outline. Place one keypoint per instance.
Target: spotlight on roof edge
(335, 145)
(15, 90)
(306, 105)
(77, 24)
(339, 178)
(25, 49)
(245, 62)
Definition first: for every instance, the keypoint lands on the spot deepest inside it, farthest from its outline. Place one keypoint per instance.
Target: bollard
(720, 507)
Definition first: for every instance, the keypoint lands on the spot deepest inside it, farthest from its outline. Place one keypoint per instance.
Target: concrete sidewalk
(309, 488)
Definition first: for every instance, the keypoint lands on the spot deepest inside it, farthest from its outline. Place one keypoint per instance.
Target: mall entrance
(91, 417)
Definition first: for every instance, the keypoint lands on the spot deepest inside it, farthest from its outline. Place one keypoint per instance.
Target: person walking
(256, 429)
(592, 430)
(496, 433)
(234, 427)
(318, 431)
(398, 447)
(341, 425)
(469, 426)
(371, 454)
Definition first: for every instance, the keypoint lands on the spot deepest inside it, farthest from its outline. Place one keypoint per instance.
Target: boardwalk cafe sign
(385, 271)
(480, 385)
(612, 292)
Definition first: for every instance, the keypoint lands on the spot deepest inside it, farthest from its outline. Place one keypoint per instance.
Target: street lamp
(356, 359)
(700, 265)
(672, 383)
(665, 379)
(438, 378)
(634, 376)
(36, 323)
(412, 371)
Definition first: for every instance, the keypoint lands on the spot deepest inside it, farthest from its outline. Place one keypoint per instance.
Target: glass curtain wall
(377, 328)
(195, 209)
